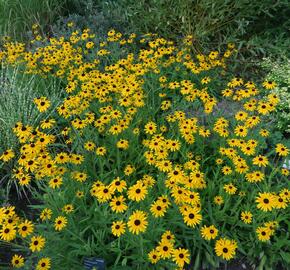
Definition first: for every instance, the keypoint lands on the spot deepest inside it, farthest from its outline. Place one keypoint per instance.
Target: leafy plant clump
(279, 71)
(141, 164)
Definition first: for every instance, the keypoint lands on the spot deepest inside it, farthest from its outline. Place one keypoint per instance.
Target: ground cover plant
(142, 163)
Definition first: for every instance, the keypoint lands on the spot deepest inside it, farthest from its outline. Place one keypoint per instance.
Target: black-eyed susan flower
(7, 155)
(60, 223)
(218, 200)
(37, 243)
(8, 232)
(118, 228)
(42, 103)
(137, 192)
(55, 182)
(230, 188)
(282, 150)
(137, 222)
(269, 84)
(191, 216)
(264, 133)
(118, 204)
(43, 264)
(123, 144)
(263, 233)
(285, 171)
(265, 201)
(68, 208)
(158, 209)
(17, 261)
(165, 249)
(25, 228)
(150, 128)
(90, 146)
(209, 232)
(246, 217)
(47, 123)
(260, 161)
(225, 248)
(153, 256)
(118, 185)
(281, 202)
(46, 214)
(129, 169)
(227, 170)
(101, 151)
(181, 256)
(285, 193)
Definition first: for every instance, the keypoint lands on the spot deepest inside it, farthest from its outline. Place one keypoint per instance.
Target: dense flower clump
(139, 163)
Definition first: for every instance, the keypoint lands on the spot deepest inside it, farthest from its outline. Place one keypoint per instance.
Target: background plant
(279, 71)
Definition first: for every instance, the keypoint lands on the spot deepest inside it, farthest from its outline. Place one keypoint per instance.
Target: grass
(17, 91)
(18, 16)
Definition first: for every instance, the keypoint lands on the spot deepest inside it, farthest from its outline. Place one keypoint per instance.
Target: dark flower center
(137, 222)
(266, 201)
(165, 248)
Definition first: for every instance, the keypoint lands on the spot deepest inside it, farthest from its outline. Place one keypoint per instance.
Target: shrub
(141, 164)
(278, 71)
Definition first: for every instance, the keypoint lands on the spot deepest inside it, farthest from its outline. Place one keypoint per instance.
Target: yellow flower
(153, 256)
(8, 232)
(269, 84)
(101, 151)
(218, 200)
(209, 233)
(37, 243)
(246, 217)
(282, 150)
(60, 223)
(226, 248)
(263, 233)
(230, 189)
(42, 103)
(45, 214)
(43, 264)
(25, 228)
(137, 222)
(17, 261)
(260, 161)
(150, 128)
(181, 256)
(266, 201)
(7, 155)
(118, 228)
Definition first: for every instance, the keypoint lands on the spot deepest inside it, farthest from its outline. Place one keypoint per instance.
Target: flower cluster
(140, 148)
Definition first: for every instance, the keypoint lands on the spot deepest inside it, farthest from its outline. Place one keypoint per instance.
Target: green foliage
(210, 22)
(18, 16)
(279, 71)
